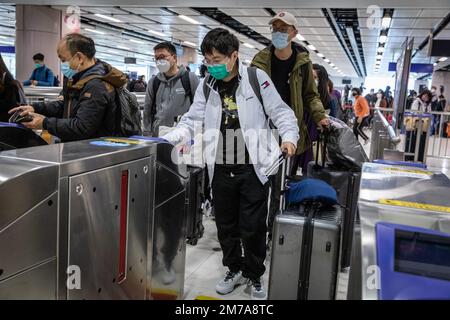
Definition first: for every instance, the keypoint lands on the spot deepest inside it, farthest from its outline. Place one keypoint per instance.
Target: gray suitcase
(305, 255)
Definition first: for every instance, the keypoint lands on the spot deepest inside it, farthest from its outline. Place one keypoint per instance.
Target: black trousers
(357, 128)
(275, 195)
(240, 204)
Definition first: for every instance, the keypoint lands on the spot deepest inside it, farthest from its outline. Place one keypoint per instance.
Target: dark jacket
(304, 94)
(11, 95)
(88, 109)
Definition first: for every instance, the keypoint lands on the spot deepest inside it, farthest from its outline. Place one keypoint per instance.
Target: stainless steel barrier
(383, 136)
(427, 135)
(95, 219)
(403, 196)
(42, 94)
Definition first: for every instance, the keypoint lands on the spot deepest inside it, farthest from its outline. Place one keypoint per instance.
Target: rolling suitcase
(305, 254)
(305, 251)
(346, 183)
(194, 204)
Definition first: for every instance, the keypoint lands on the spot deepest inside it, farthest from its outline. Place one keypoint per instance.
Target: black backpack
(254, 82)
(56, 81)
(128, 113)
(128, 116)
(185, 82)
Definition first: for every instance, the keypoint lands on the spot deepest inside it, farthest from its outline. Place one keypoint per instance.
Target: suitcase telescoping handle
(284, 161)
(322, 146)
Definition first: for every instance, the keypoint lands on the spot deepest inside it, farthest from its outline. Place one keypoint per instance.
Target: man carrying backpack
(232, 108)
(89, 109)
(169, 93)
(289, 66)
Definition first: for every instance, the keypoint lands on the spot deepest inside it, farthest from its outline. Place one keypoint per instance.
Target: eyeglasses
(282, 30)
(161, 57)
(208, 64)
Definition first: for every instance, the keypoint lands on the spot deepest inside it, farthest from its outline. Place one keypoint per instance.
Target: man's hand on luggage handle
(324, 123)
(288, 148)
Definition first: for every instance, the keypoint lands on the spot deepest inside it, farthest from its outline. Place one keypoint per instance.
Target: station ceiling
(347, 37)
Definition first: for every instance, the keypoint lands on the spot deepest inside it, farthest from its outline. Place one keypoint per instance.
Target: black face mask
(354, 94)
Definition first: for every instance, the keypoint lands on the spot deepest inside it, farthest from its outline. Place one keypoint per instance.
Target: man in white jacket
(233, 110)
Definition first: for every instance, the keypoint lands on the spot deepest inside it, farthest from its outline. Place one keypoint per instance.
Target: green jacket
(304, 92)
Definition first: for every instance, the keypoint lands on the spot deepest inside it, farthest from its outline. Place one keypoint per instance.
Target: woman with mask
(169, 93)
(11, 92)
(381, 100)
(423, 101)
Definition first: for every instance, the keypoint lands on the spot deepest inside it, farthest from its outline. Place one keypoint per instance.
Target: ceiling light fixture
(326, 60)
(320, 55)
(107, 17)
(248, 45)
(94, 31)
(188, 19)
(310, 46)
(442, 59)
(137, 41)
(189, 43)
(300, 37)
(383, 39)
(157, 33)
(386, 22)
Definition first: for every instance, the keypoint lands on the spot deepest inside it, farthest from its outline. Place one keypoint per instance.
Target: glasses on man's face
(160, 57)
(215, 61)
(280, 29)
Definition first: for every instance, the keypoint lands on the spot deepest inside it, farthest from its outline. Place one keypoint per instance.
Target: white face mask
(317, 82)
(163, 65)
(379, 95)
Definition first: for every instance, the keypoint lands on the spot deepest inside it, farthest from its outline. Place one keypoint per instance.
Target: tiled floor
(204, 268)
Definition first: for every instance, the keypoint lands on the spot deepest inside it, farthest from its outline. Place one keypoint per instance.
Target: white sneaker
(168, 276)
(257, 289)
(230, 282)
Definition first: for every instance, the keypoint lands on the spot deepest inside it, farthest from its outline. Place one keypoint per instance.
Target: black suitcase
(346, 184)
(194, 204)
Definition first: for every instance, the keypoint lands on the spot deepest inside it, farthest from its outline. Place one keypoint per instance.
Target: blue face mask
(67, 71)
(280, 40)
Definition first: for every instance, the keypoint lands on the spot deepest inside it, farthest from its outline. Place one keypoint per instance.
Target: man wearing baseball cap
(290, 68)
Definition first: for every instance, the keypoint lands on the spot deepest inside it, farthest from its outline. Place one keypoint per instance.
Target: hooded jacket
(170, 98)
(205, 116)
(89, 106)
(304, 94)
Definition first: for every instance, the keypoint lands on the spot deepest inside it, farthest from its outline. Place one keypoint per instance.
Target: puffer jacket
(89, 106)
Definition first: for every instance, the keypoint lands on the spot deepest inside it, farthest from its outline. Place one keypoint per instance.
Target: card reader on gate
(414, 263)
